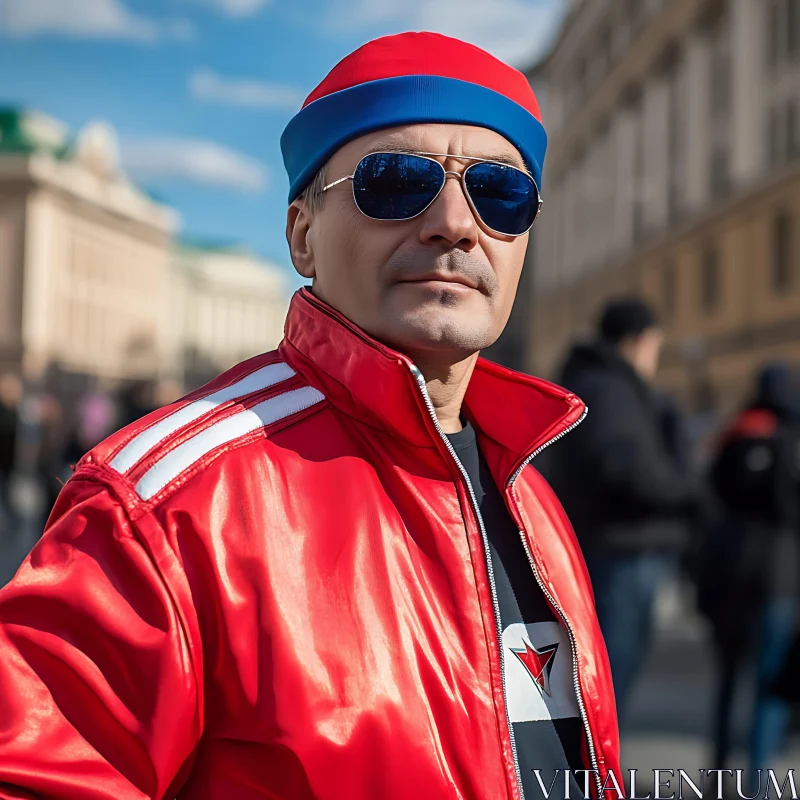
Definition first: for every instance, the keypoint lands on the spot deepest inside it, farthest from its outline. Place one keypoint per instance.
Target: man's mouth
(439, 277)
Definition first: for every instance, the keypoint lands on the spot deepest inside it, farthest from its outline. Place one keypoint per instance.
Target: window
(639, 229)
(674, 149)
(606, 48)
(774, 34)
(782, 252)
(783, 133)
(675, 119)
(636, 15)
(718, 178)
(720, 83)
(774, 137)
(709, 279)
(673, 200)
(669, 280)
(638, 183)
(792, 131)
(783, 32)
(791, 28)
(581, 77)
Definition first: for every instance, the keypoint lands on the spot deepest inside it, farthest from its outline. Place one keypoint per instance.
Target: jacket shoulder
(170, 445)
(593, 380)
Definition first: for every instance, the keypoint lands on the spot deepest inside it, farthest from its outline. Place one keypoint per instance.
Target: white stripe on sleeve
(163, 472)
(140, 445)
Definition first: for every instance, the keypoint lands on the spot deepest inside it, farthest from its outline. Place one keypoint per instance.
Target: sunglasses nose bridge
(459, 176)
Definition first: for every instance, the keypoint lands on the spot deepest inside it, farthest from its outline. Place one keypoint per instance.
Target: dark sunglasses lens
(505, 198)
(396, 185)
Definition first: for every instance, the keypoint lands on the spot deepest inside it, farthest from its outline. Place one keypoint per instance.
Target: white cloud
(236, 8)
(515, 30)
(208, 86)
(195, 161)
(85, 19)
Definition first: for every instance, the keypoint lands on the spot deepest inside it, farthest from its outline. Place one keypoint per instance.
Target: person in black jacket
(621, 480)
(10, 397)
(750, 571)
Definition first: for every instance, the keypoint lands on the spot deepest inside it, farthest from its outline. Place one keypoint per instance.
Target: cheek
(507, 260)
(355, 242)
(370, 244)
(336, 246)
(352, 251)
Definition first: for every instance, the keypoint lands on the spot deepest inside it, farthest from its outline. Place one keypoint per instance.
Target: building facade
(674, 170)
(96, 293)
(226, 306)
(84, 259)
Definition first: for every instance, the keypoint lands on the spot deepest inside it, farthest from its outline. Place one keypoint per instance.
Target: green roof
(208, 245)
(23, 131)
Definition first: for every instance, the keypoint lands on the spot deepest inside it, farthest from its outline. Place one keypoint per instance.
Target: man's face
(395, 280)
(10, 390)
(646, 352)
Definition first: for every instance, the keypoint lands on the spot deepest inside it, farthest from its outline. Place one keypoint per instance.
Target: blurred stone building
(94, 291)
(227, 306)
(673, 169)
(84, 259)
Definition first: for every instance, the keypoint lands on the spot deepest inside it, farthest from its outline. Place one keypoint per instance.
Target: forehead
(464, 140)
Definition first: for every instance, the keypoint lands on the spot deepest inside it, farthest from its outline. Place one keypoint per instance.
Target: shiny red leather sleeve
(98, 692)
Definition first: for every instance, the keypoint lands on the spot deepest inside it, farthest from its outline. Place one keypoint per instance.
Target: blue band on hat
(314, 134)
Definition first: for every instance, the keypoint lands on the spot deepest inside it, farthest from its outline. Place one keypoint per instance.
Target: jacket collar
(376, 385)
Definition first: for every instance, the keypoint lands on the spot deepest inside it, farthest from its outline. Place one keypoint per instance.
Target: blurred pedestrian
(623, 479)
(49, 420)
(10, 397)
(136, 400)
(96, 419)
(750, 571)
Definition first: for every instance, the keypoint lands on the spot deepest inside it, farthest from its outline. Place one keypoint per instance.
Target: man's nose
(449, 221)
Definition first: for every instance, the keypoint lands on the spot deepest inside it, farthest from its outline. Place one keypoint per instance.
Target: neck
(447, 385)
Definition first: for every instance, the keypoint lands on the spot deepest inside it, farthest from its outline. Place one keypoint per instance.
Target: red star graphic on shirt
(539, 663)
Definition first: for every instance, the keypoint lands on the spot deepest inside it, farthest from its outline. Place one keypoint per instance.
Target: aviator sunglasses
(400, 186)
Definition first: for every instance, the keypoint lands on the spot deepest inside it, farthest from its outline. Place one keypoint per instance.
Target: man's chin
(454, 332)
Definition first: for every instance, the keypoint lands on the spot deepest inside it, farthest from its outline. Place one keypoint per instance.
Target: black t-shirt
(540, 692)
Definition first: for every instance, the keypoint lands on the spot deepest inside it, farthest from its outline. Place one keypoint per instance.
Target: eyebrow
(500, 158)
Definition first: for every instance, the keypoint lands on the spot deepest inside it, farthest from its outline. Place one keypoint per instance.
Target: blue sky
(199, 91)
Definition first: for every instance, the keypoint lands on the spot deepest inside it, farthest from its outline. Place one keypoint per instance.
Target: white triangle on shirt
(538, 672)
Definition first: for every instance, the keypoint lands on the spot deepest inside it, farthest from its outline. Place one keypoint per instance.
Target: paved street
(669, 719)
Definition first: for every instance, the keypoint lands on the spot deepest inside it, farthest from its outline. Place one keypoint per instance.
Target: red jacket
(277, 588)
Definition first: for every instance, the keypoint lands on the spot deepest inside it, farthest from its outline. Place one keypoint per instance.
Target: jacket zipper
(551, 599)
(420, 380)
(426, 397)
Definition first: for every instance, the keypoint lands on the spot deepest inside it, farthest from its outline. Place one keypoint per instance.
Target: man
(329, 574)
(748, 580)
(10, 397)
(621, 482)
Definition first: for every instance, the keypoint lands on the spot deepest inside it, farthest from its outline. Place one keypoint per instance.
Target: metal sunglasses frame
(446, 172)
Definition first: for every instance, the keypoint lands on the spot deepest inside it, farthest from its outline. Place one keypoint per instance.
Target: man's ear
(298, 228)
